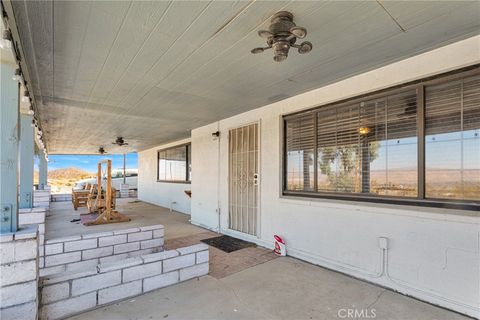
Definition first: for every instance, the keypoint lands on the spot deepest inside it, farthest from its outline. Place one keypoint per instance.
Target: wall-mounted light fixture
(6, 41)
(26, 96)
(17, 76)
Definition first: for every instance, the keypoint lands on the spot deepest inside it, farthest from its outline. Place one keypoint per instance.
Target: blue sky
(89, 162)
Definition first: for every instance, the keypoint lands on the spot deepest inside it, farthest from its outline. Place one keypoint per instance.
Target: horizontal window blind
(452, 142)
(361, 146)
(300, 133)
(370, 146)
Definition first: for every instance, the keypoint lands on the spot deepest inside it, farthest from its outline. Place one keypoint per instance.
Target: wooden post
(98, 200)
(108, 191)
(124, 168)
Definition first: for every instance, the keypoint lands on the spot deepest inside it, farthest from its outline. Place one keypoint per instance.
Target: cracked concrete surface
(283, 288)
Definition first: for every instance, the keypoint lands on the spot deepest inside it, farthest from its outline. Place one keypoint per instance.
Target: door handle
(255, 179)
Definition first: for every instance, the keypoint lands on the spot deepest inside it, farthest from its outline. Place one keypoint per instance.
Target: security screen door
(244, 179)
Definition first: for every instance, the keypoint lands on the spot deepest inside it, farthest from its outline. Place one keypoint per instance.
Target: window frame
(187, 146)
(420, 200)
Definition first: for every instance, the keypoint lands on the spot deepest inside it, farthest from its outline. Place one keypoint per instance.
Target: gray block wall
(19, 274)
(41, 198)
(86, 251)
(71, 293)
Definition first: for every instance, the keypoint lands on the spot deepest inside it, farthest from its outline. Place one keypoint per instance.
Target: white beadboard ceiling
(152, 71)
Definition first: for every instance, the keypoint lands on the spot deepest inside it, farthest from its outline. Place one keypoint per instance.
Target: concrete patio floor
(246, 284)
(178, 232)
(284, 288)
(141, 214)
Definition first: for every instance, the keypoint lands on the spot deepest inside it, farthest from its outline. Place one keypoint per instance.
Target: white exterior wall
(433, 253)
(165, 194)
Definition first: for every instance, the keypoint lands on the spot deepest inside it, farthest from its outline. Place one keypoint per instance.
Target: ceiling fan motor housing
(119, 141)
(281, 22)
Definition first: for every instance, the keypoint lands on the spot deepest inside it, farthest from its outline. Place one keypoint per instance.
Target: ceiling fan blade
(299, 32)
(265, 34)
(257, 50)
(305, 47)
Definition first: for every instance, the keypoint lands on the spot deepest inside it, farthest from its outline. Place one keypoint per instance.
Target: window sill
(467, 208)
(178, 182)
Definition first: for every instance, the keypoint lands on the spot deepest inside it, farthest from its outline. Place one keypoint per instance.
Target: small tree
(348, 158)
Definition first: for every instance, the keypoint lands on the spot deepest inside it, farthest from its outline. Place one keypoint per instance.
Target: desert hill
(62, 180)
(69, 173)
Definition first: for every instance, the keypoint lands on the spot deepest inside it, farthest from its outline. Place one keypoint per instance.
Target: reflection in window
(452, 140)
(369, 147)
(174, 164)
(300, 153)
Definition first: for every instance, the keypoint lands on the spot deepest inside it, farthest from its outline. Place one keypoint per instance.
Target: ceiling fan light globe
(265, 34)
(299, 32)
(279, 58)
(305, 47)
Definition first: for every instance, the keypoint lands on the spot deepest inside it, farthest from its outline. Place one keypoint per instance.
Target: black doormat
(228, 244)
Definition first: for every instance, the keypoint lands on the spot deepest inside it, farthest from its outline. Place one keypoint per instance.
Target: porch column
(26, 162)
(42, 171)
(9, 133)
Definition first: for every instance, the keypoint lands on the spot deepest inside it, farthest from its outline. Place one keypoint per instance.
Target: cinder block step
(64, 292)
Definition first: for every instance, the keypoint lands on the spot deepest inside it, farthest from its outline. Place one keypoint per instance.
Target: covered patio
(247, 284)
(343, 135)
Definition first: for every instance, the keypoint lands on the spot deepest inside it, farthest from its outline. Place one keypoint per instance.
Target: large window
(418, 143)
(174, 164)
(452, 140)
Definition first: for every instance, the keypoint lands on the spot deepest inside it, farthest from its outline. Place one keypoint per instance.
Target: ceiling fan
(120, 142)
(281, 35)
(101, 150)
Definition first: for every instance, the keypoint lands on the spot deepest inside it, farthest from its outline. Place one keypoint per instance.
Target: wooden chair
(79, 198)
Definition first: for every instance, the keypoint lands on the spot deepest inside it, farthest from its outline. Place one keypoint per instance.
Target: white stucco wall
(169, 195)
(433, 253)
